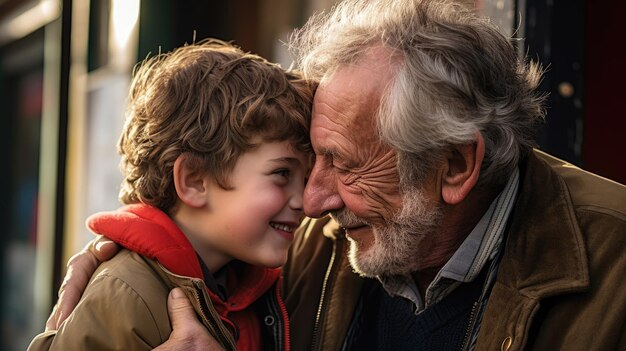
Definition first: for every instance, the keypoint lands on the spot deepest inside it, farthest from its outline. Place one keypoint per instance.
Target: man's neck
(460, 219)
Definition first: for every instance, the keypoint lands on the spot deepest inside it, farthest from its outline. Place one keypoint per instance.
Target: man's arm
(80, 268)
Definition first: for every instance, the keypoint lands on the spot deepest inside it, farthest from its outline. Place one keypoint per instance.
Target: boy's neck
(212, 258)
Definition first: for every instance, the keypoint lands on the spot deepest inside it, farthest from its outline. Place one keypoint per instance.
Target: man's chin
(358, 268)
(363, 261)
(370, 261)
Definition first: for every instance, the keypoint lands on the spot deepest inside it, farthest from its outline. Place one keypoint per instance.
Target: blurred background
(65, 66)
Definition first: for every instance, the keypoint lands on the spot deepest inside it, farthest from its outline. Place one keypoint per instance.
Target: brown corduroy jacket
(560, 285)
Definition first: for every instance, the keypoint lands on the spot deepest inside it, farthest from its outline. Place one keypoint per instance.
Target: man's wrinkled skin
(355, 176)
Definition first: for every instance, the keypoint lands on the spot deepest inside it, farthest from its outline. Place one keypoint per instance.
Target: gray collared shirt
(477, 249)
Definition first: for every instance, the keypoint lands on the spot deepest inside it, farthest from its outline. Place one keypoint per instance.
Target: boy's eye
(283, 172)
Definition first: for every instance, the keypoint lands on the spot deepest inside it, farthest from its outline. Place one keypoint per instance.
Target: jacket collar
(545, 253)
(150, 232)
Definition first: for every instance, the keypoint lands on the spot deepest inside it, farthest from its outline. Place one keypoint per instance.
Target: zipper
(207, 310)
(479, 305)
(220, 332)
(470, 328)
(284, 315)
(321, 308)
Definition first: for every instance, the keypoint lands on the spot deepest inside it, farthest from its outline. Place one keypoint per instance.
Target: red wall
(604, 141)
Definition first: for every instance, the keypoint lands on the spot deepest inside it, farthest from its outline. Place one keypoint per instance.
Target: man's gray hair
(457, 75)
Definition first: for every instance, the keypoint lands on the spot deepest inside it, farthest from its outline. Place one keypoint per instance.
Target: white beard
(400, 245)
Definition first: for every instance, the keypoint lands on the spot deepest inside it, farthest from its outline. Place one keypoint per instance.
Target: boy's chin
(276, 263)
(269, 262)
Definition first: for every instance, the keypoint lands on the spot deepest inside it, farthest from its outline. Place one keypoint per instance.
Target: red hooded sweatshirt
(148, 231)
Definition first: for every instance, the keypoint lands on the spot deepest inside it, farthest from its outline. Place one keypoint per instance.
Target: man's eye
(338, 163)
(339, 166)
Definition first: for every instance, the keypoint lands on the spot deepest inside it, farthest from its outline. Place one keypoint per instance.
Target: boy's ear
(191, 187)
(462, 170)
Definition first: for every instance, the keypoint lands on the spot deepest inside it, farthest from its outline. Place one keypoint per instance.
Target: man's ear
(462, 170)
(191, 187)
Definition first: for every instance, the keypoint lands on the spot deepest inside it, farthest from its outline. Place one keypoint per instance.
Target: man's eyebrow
(327, 152)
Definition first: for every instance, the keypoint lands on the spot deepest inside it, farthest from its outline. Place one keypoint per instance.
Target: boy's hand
(80, 268)
(187, 332)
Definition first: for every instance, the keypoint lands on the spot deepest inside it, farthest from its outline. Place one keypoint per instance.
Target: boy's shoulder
(135, 272)
(124, 307)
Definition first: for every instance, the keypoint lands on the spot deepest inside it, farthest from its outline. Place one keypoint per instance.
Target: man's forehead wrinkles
(333, 106)
(332, 124)
(325, 109)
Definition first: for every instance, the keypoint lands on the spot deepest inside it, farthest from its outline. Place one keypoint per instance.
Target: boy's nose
(295, 201)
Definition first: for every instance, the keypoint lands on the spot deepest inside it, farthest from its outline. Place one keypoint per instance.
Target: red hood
(150, 232)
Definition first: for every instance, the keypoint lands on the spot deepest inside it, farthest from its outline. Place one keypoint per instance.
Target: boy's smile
(284, 230)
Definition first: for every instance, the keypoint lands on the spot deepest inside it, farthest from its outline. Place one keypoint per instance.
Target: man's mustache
(348, 219)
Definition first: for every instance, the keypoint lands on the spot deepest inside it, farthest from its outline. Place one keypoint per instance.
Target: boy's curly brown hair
(210, 100)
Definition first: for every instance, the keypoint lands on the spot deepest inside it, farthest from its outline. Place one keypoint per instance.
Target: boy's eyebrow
(291, 160)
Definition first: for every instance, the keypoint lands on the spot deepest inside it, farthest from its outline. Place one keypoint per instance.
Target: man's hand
(187, 332)
(80, 268)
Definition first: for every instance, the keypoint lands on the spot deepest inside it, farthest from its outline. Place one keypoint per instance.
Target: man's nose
(320, 194)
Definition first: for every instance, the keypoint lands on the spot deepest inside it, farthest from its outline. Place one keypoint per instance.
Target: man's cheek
(376, 207)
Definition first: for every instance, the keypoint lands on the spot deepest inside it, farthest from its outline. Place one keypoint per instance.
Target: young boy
(215, 153)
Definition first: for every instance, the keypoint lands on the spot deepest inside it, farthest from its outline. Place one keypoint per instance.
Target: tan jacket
(130, 291)
(560, 285)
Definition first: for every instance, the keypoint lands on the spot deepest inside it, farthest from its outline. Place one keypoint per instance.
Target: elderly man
(448, 230)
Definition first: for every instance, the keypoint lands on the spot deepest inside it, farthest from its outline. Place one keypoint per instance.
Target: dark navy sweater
(389, 323)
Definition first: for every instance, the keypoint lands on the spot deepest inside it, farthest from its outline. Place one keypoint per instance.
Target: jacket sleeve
(111, 316)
